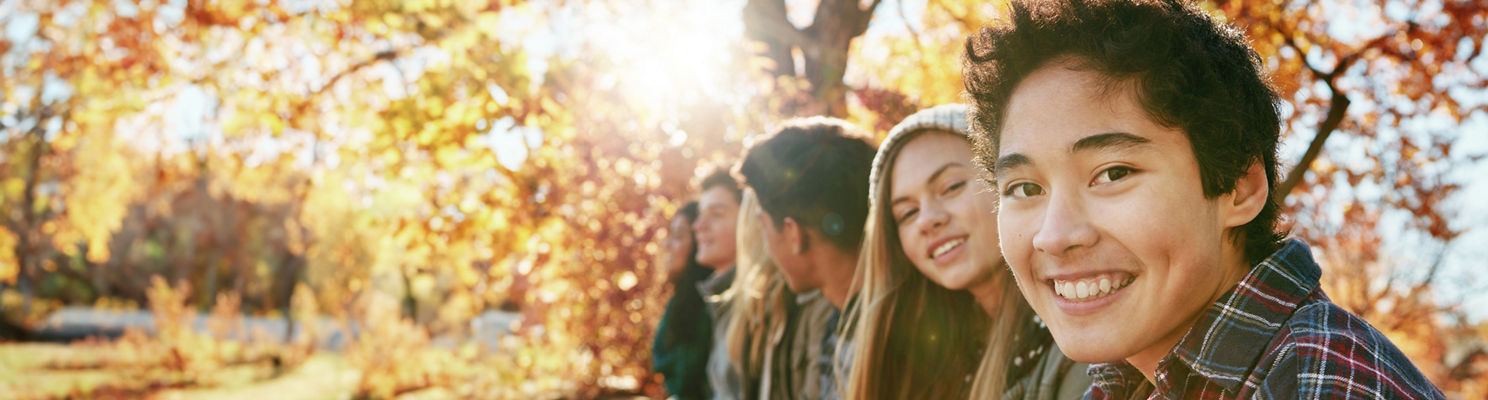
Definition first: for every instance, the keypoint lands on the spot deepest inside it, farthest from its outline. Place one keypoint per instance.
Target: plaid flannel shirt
(1275, 335)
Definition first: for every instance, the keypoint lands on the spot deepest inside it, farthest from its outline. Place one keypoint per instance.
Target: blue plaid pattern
(1275, 335)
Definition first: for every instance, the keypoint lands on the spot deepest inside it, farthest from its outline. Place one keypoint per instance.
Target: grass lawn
(323, 376)
(24, 371)
(45, 371)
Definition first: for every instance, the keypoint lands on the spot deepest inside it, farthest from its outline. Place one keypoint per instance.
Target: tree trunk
(209, 294)
(27, 242)
(212, 241)
(282, 290)
(824, 46)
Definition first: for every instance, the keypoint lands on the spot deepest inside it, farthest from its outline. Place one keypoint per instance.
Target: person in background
(680, 350)
(811, 176)
(718, 213)
(774, 365)
(934, 288)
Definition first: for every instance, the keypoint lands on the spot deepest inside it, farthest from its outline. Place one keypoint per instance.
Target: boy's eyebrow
(1010, 161)
(1092, 142)
(1108, 140)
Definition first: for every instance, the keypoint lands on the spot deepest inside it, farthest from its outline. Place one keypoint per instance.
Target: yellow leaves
(1304, 44)
(9, 266)
(98, 249)
(488, 23)
(421, 5)
(467, 276)
(498, 220)
(88, 82)
(422, 285)
(549, 106)
(435, 108)
(432, 21)
(393, 20)
(252, 113)
(391, 156)
(451, 157)
(230, 11)
(13, 188)
(276, 124)
(98, 196)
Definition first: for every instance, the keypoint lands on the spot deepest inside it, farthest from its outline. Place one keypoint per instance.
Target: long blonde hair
(909, 334)
(758, 296)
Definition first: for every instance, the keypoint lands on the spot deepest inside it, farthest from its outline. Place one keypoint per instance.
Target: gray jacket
(725, 381)
(793, 370)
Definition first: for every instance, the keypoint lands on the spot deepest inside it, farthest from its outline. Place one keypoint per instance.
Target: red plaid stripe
(1275, 335)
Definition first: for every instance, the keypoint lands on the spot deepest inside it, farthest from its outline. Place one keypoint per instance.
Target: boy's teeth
(1090, 288)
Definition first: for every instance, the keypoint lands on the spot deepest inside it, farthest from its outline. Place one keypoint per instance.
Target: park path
(76, 323)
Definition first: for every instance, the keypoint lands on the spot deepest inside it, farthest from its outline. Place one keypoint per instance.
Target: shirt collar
(1118, 380)
(803, 298)
(1233, 333)
(716, 284)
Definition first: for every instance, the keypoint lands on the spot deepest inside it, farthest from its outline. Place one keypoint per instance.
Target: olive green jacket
(1055, 377)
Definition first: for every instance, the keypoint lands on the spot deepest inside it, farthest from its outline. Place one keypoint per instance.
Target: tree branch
(1337, 109)
(914, 34)
(385, 55)
(965, 21)
(766, 21)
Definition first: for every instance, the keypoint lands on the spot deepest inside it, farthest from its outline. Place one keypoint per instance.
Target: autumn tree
(1398, 84)
(455, 157)
(381, 166)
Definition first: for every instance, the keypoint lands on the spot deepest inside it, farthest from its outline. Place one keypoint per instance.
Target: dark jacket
(1053, 377)
(684, 338)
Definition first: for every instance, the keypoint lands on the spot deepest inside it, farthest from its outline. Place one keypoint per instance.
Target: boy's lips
(1086, 292)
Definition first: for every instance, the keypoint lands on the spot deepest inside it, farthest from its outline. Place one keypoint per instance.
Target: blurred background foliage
(404, 167)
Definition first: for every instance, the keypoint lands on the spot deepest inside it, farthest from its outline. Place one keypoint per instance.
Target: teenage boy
(1133, 144)
(811, 177)
(718, 213)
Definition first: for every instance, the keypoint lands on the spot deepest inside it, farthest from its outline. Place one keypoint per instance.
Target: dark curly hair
(814, 170)
(719, 176)
(1187, 71)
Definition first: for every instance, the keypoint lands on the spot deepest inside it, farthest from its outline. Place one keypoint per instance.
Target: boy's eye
(1023, 189)
(1113, 174)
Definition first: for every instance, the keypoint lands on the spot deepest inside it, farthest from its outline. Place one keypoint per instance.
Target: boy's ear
(1251, 192)
(793, 235)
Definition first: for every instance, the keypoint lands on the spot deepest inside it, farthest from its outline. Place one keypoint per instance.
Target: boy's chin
(1091, 349)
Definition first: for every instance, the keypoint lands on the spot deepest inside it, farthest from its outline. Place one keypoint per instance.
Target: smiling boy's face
(718, 212)
(1104, 221)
